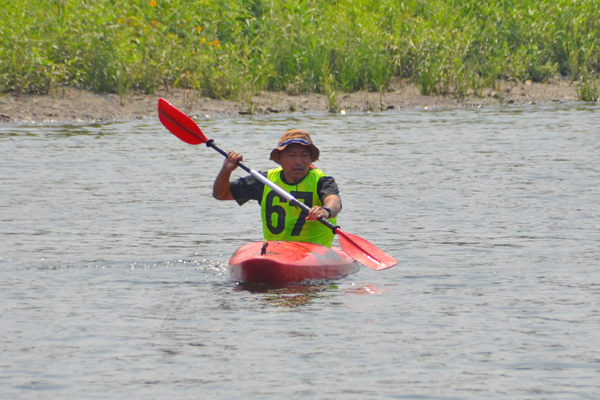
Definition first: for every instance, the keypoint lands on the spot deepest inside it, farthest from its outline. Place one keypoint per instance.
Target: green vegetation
(587, 88)
(233, 48)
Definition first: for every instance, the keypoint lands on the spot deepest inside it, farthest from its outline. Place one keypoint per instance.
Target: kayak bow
(281, 263)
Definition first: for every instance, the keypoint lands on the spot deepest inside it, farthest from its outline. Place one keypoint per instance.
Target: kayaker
(295, 154)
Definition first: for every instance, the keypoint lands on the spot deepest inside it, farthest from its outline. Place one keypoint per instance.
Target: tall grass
(233, 48)
(587, 88)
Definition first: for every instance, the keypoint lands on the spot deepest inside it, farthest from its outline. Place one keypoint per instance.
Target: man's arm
(221, 189)
(329, 193)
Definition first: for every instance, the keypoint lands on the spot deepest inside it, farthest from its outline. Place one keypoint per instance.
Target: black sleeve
(247, 188)
(326, 187)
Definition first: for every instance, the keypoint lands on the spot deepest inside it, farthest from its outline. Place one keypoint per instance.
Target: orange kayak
(280, 263)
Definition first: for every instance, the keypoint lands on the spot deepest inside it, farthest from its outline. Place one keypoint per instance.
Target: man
(281, 220)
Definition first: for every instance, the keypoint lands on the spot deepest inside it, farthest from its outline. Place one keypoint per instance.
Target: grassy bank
(232, 48)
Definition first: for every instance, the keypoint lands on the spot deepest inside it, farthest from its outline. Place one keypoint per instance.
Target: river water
(113, 279)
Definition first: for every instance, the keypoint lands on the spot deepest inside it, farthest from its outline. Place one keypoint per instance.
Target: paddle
(358, 248)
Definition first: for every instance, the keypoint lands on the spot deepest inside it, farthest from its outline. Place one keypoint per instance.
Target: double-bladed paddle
(358, 248)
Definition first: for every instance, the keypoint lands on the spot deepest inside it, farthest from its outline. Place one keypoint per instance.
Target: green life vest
(285, 222)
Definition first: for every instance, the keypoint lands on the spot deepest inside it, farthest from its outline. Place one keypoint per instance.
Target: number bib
(287, 223)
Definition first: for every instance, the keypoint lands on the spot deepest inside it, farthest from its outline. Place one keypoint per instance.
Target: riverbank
(75, 105)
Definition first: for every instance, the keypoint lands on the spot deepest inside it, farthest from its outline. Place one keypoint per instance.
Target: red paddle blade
(364, 252)
(179, 124)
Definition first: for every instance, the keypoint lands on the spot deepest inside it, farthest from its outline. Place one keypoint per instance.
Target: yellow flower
(198, 28)
(180, 25)
(153, 3)
(216, 43)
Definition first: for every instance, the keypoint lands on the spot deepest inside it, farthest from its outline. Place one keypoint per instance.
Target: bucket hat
(295, 136)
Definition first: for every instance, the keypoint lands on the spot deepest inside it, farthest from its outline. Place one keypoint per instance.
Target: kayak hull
(289, 262)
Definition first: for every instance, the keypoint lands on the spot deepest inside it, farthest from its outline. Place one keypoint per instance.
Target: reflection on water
(295, 295)
(113, 278)
(290, 295)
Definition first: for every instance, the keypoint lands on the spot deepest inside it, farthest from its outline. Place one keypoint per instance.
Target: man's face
(295, 160)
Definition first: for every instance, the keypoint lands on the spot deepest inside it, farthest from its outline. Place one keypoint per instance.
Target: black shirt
(250, 188)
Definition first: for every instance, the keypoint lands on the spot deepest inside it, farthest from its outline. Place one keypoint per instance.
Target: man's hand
(230, 163)
(221, 186)
(333, 202)
(317, 212)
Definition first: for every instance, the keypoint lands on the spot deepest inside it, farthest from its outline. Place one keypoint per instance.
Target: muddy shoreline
(70, 105)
